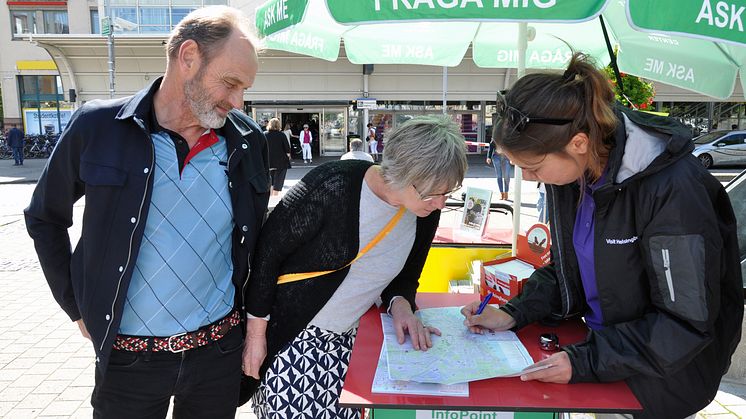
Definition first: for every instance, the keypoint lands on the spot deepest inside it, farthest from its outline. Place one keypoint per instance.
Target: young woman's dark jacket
(671, 323)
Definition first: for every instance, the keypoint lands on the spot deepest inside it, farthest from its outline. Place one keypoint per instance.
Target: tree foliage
(638, 93)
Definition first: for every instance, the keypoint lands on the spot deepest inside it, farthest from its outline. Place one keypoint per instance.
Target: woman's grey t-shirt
(369, 275)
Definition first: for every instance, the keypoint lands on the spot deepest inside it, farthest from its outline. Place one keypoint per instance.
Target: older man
(176, 187)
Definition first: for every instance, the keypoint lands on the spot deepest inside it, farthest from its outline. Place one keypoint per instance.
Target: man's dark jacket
(667, 271)
(15, 138)
(107, 155)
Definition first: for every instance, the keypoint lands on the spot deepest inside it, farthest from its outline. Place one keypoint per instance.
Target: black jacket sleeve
(50, 213)
(682, 249)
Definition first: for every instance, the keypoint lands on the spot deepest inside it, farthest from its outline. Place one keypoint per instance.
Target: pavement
(46, 366)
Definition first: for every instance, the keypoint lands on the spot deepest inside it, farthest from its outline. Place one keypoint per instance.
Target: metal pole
(445, 90)
(522, 47)
(110, 45)
(365, 111)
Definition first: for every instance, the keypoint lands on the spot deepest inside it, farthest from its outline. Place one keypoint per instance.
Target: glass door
(263, 115)
(333, 132)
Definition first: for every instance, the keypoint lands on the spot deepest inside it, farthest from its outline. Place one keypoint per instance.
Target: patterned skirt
(305, 379)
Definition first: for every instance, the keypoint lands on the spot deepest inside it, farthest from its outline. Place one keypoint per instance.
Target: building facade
(54, 58)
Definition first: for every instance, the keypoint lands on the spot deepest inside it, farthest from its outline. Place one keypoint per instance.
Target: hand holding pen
(481, 317)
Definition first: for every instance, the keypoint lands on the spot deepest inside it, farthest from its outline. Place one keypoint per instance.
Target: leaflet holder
(506, 282)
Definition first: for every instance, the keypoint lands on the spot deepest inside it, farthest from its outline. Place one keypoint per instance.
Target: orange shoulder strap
(284, 279)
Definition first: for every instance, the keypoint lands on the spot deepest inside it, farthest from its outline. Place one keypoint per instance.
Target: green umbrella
(439, 32)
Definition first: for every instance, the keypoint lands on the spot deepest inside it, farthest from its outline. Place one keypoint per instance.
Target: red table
(450, 235)
(497, 394)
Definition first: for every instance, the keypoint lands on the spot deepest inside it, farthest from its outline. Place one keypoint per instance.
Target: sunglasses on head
(517, 121)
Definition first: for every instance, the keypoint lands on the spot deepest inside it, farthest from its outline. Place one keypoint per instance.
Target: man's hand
(255, 347)
(488, 161)
(406, 322)
(559, 369)
(83, 329)
(491, 318)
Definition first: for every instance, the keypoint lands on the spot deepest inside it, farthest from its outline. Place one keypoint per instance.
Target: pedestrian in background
(372, 142)
(541, 203)
(503, 169)
(176, 188)
(356, 151)
(644, 244)
(279, 154)
(16, 143)
(314, 278)
(306, 138)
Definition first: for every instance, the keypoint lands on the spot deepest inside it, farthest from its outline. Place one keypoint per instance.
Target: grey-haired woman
(307, 326)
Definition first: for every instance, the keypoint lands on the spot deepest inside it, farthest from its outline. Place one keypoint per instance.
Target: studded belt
(180, 342)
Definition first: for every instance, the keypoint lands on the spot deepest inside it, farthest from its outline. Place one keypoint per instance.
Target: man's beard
(201, 103)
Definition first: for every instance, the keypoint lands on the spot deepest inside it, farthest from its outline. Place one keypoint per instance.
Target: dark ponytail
(582, 93)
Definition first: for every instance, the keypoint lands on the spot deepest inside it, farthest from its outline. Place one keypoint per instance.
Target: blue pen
(483, 304)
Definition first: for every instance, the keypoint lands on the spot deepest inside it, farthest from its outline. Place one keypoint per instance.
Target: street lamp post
(107, 28)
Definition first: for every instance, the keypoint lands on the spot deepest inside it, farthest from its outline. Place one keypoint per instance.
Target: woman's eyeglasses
(517, 121)
(430, 197)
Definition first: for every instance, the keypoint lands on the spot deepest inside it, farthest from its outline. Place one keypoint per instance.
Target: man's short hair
(210, 27)
(305, 125)
(356, 145)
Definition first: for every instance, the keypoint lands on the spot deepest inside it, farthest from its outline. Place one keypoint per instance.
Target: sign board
(366, 103)
(105, 26)
(45, 120)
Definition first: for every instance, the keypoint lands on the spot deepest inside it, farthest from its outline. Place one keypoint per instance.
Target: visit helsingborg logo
(622, 241)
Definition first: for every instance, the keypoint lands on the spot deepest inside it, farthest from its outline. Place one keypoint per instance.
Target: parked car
(721, 147)
(737, 192)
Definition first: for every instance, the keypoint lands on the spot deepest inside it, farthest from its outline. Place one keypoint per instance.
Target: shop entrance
(327, 126)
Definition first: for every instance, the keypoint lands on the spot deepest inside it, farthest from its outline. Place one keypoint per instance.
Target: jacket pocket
(97, 175)
(679, 265)
(260, 182)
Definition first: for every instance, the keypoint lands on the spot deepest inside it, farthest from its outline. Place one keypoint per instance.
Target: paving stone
(65, 374)
(61, 408)
(22, 363)
(49, 343)
(83, 413)
(36, 401)
(43, 368)
(79, 362)
(29, 380)
(5, 407)
(75, 393)
(9, 374)
(52, 387)
(24, 413)
(15, 394)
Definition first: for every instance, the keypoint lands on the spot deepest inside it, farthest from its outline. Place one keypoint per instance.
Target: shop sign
(50, 124)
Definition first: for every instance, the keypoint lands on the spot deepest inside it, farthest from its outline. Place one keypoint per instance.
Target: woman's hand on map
(406, 322)
(555, 369)
(491, 318)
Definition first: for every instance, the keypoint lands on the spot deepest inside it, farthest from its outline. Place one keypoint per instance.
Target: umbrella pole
(445, 90)
(522, 47)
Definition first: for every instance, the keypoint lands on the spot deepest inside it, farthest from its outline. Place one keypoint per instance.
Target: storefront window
(42, 104)
(55, 21)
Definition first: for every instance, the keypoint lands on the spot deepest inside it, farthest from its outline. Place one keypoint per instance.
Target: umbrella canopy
(439, 32)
